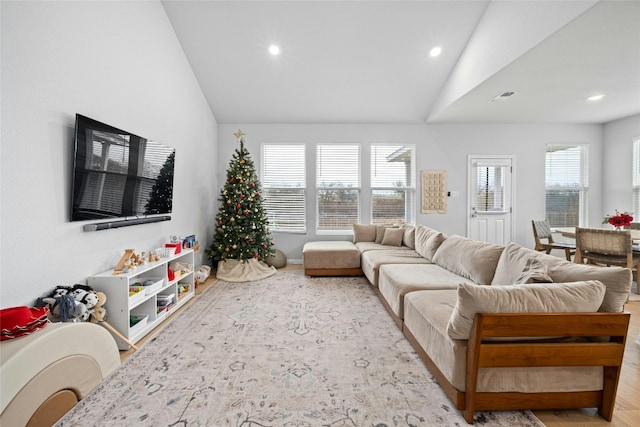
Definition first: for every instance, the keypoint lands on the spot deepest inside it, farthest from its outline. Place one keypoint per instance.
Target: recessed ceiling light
(274, 50)
(435, 51)
(597, 97)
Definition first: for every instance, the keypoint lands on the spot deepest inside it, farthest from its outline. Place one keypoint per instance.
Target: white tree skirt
(232, 270)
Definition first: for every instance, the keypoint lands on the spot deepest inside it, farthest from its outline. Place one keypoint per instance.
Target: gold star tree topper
(239, 136)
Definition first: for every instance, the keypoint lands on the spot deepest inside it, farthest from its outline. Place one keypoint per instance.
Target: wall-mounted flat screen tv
(118, 174)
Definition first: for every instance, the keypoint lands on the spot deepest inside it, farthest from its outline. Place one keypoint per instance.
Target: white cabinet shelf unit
(149, 305)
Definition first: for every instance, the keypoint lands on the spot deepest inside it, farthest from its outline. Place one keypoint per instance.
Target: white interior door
(490, 186)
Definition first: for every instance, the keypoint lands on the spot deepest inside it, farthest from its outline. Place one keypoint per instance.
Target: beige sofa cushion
(372, 260)
(364, 233)
(618, 280)
(534, 272)
(409, 238)
(393, 237)
(513, 262)
(469, 258)
(397, 280)
(584, 296)
(428, 241)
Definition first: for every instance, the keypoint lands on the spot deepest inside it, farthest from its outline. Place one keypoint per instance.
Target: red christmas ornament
(250, 240)
(232, 179)
(246, 212)
(220, 222)
(255, 255)
(242, 196)
(273, 244)
(264, 246)
(257, 194)
(238, 206)
(253, 184)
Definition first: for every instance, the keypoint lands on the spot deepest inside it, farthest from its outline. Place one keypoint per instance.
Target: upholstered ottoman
(331, 258)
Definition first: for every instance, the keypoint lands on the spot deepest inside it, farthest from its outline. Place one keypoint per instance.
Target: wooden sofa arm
(483, 352)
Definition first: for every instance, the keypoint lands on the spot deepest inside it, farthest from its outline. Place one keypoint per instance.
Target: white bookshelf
(120, 305)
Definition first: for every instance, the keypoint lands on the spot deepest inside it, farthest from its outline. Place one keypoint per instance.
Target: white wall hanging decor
(434, 191)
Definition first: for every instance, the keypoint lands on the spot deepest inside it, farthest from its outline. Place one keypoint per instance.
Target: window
(491, 193)
(636, 179)
(566, 185)
(337, 186)
(392, 184)
(284, 187)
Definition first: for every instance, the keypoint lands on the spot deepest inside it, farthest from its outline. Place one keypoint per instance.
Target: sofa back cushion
(469, 258)
(534, 272)
(428, 241)
(364, 233)
(409, 238)
(617, 280)
(583, 296)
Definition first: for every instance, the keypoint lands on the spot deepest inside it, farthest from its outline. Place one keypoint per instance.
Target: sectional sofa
(499, 327)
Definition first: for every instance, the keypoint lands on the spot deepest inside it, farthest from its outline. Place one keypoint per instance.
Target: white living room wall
(120, 63)
(438, 146)
(617, 162)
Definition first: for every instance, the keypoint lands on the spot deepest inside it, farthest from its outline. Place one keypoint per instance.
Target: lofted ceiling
(369, 62)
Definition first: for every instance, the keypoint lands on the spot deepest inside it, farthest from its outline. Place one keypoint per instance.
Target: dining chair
(542, 230)
(606, 247)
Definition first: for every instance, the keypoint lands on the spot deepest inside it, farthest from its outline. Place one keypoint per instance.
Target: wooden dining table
(570, 232)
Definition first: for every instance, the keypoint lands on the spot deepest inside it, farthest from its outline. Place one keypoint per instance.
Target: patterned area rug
(287, 350)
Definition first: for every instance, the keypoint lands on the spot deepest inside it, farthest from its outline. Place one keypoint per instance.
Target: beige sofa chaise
(502, 327)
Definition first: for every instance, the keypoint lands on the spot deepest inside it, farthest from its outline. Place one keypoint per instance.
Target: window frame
(582, 188)
(302, 191)
(320, 188)
(408, 188)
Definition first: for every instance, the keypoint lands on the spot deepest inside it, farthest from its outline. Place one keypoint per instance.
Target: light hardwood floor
(627, 409)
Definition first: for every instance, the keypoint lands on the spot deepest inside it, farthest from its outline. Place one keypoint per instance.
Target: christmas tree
(242, 231)
(162, 191)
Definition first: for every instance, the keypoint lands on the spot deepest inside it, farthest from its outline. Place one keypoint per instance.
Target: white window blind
(283, 185)
(337, 186)
(636, 180)
(392, 184)
(490, 186)
(566, 183)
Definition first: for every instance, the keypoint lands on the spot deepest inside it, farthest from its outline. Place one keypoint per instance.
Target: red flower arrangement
(620, 219)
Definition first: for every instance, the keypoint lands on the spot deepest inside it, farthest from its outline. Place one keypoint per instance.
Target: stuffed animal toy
(72, 304)
(61, 290)
(63, 308)
(97, 312)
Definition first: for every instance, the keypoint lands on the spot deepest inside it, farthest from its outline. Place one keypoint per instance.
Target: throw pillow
(380, 233)
(618, 281)
(534, 272)
(549, 298)
(514, 260)
(393, 237)
(364, 233)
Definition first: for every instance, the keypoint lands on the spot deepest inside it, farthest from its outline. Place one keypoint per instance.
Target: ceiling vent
(502, 96)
